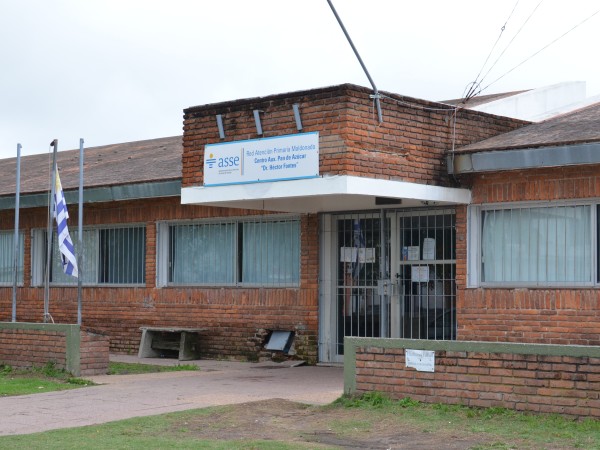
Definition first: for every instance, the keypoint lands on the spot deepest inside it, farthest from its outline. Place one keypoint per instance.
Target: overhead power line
(475, 85)
(511, 41)
(470, 88)
(540, 50)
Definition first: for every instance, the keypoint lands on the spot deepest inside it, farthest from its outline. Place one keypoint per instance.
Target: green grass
(164, 431)
(49, 378)
(118, 368)
(507, 426)
(350, 420)
(35, 380)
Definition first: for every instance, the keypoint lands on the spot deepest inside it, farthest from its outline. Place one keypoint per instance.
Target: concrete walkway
(124, 396)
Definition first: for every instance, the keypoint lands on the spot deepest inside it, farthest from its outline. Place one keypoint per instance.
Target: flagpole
(80, 233)
(16, 254)
(54, 143)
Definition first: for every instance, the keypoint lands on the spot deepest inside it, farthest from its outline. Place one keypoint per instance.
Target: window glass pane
(537, 245)
(271, 252)
(202, 253)
(7, 252)
(122, 255)
(89, 257)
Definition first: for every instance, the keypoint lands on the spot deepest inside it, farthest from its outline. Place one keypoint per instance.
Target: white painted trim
(38, 251)
(335, 193)
(162, 251)
(327, 316)
(473, 245)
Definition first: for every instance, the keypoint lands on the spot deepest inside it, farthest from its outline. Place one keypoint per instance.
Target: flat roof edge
(100, 194)
(525, 158)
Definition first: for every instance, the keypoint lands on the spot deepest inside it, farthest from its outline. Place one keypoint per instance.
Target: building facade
(532, 233)
(371, 241)
(382, 208)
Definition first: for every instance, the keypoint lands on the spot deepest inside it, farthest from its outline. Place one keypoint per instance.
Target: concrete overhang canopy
(324, 194)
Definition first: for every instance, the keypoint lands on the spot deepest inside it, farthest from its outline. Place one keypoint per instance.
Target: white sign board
(422, 360)
(278, 158)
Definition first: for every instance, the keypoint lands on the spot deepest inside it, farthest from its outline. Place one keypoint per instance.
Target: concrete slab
(124, 396)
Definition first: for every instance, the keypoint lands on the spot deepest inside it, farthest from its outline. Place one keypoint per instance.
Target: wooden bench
(160, 341)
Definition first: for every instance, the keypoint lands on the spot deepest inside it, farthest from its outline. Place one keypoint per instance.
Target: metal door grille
(358, 303)
(427, 275)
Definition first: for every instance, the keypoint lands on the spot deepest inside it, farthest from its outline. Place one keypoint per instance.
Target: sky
(112, 71)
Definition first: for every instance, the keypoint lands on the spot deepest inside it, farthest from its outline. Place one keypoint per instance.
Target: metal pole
(80, 233)
(376, 95)
(16, 247)
(54, 143)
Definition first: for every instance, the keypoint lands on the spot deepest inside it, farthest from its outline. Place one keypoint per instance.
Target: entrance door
(425, 307)
(360, 309)
(390, 277)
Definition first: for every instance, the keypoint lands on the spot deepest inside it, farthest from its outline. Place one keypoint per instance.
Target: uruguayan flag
(65, 244)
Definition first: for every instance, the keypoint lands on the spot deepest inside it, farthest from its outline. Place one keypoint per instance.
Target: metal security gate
(394, 275)
(360, 308)
(427, 275)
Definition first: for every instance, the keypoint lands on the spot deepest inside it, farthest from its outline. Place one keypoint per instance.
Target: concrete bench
(160, 341)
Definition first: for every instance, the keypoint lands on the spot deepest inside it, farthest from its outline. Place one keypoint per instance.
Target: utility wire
(540, 50)
(509, 44)
(476, 85)
(472, 86)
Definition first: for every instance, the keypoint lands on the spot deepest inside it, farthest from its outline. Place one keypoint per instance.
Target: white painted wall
(543, 103)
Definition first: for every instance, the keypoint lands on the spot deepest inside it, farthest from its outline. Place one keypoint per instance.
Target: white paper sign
(365, 255)
(413, 253)
(419, 274)
(422, 360)
(428, 248)
(278, 158)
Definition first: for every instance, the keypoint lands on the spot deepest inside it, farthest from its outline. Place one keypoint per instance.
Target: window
(270, 252)
(535, 245)
(7, 257)
(110, 255)
(202, 253)
(247, 252)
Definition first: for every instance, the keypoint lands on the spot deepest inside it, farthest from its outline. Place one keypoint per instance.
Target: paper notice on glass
(419, 274)
(365, 255)
(413, 253)
(428, 248)
(422, 360)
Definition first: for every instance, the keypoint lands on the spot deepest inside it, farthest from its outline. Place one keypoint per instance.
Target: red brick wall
(409, 145)
(562, 183)
(553, 316)
(93, 353)
(237, 319)
(25, 348)
(536, 383)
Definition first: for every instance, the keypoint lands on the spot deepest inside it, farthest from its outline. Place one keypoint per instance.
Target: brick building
(532, 238)
(368, 238)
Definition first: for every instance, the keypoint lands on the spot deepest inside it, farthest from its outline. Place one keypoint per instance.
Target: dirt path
(291, 422)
